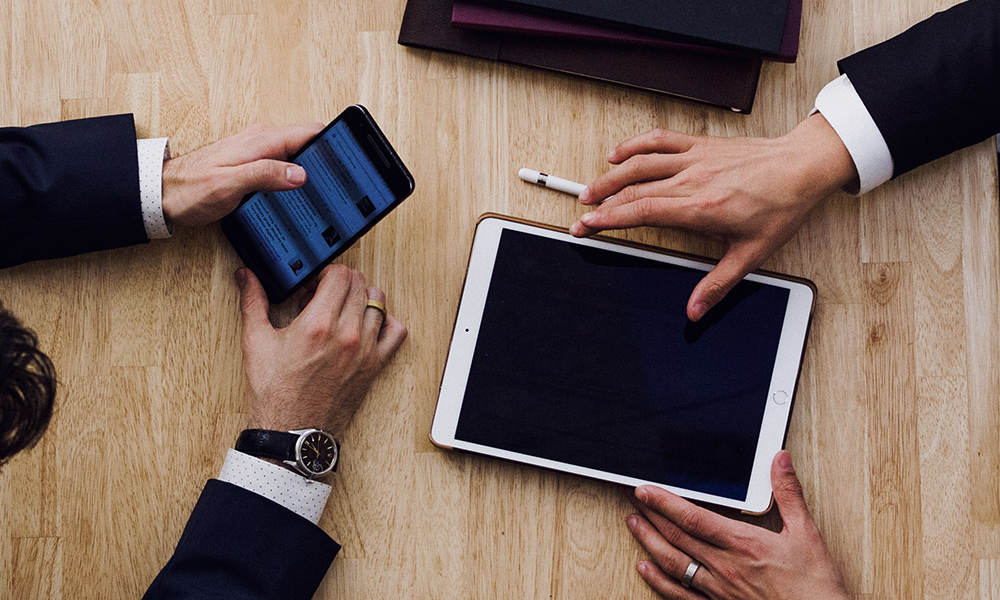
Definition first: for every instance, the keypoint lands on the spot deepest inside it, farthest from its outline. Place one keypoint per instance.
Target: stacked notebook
(705, 50)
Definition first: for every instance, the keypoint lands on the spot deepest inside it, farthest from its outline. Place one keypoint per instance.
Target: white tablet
(577, 355)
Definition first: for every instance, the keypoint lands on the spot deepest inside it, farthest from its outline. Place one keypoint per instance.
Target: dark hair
(27, 387)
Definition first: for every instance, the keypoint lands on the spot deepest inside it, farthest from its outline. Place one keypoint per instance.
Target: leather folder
(721, 80)
(475, 14)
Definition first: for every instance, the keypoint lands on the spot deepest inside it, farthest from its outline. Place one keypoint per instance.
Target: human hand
(754, 193)
(316, 371)
(203, 186)
(738, 560)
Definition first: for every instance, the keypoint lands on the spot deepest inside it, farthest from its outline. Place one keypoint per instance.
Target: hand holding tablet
(575, 354)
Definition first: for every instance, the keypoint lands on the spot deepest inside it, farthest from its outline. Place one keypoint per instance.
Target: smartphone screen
(353, 179)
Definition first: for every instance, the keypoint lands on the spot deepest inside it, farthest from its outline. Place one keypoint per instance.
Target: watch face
(318, 451)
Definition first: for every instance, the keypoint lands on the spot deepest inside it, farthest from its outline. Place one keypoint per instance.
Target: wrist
(823, 163)
(169, 182)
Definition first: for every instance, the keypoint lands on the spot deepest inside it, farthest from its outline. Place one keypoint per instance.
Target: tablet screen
(585, 356)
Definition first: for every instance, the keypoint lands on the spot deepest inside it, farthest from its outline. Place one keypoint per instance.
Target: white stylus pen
(551, 181)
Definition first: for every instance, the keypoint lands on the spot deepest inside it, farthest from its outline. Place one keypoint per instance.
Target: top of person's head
(27, 387)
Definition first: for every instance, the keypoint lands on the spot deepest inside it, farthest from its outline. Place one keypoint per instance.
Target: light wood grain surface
(896, 429)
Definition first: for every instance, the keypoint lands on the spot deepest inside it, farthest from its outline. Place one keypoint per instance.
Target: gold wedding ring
(372, 303)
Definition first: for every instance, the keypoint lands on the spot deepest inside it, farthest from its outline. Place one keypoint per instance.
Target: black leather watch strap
(266, 443)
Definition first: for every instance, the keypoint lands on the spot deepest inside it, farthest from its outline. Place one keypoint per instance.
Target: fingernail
(584, 196)
(642, 493)
(611, 156)
(643, 566)
(785, 462)
(295, 174)
(588, 218)
(631, 521)
(241, 277)
(699, 310)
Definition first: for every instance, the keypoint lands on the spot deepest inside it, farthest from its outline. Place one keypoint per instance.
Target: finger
(657, 140)
(354, 304)
(333, 284)
(637, 191)
(261, 175)
(390, 338)
(737, 262)
(788, 492)
(661, 212)
(664, 585)
(637, 169)
(697, 549)
(373, 319)
(668, 558)
(253, 303)
(257, 141)
(697, 522)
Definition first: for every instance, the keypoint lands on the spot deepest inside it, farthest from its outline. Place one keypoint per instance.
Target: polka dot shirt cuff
(302, 496)
(152, 153)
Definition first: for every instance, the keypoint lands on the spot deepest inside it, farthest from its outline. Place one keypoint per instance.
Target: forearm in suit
(239, 545)
(68, 188)
(934, 88)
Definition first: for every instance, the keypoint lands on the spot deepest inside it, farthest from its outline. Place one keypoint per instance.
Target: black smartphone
(353, 179)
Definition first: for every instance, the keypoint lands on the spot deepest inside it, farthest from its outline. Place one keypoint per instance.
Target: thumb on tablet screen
(739, 260)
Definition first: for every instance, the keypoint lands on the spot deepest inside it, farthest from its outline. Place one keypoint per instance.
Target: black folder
(752, 25)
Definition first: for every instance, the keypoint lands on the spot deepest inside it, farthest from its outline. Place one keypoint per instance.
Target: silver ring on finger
(689, 573)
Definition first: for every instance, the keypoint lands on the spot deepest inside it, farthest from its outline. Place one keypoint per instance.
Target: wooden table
(895, 430)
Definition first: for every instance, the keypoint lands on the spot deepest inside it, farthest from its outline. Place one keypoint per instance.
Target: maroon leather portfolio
(723, 80)
(490, 17)
(753, 26)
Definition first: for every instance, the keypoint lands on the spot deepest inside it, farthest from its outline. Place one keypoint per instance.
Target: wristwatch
(312, 452)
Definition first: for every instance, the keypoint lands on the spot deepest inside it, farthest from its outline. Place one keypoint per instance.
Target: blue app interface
(297, 230)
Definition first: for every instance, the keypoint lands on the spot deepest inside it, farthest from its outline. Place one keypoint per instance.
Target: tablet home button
(779, 397)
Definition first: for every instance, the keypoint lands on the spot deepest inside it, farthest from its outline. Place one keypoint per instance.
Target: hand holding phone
(354, 178)
(203, 186)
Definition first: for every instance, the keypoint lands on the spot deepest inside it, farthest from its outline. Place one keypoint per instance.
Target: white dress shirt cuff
(302, 496)
(152, 153)
(846, 113)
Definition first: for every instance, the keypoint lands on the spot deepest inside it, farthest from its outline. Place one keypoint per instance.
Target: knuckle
(397, 326)
(789, 486)
(349, 340)
(727, 572)
(258, 171)
(318, 331)
(671, 562)
(628, 194)
(633, 167)
(716, 289)
(339, 271)
(673, 535)
(644, 209)
(749, 546)
(662, 135)
(691, 520)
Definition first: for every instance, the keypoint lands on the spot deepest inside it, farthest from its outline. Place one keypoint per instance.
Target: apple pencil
(550, 181)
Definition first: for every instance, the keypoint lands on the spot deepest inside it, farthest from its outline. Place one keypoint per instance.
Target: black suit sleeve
(68, 188)
(238, 545)
(935, 87)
